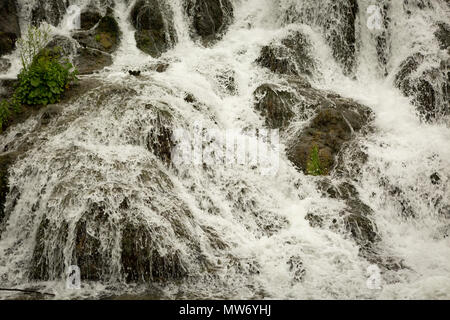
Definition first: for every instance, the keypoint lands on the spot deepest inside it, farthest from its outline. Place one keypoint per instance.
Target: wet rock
(47, 262)
(160, 67)
(7, 88)
(155, 33)
(159, 140)
(142, 262)
(87, 253)
(4, 65)
(90, 60)
(357, 216)
(443, 35)
(342, 38)
(328, 131)
(296, 268)
(9, 26)
(134, 73)
(105, 37)
(291, 56)
(66, 46)
(49, 113)
(5, 161)
(190, 98)
(409, 5)
(210, 18)
(435, 178)
(275, 104)
(50, 11)
(89, 18)
(336, 19)
(429, 89)
(382, 37)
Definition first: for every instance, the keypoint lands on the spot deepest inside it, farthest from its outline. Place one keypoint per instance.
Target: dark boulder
(155, 33)
(327, 132)
(64, 45)
(159, 139)
(9, 26)
(292, 56)
(89, 18)
(47, 262)
(89, 61)
(357, 216)
(443, 35)
(141, 260)
(96, 45)
(210, 18)
(429, 89)
(50, 11)
(105, 37)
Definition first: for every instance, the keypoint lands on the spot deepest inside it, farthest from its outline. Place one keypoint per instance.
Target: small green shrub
(44, 81)
(314, 167)
(8, 108)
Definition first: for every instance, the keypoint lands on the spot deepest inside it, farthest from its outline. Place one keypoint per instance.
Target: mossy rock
(328, 131)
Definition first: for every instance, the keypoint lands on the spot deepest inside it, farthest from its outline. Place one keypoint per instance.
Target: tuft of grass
(313, 166)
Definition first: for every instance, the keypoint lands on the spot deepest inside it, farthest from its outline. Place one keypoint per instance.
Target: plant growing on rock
(314, 166)
(44, 81)
(45, 74)
(8, 108)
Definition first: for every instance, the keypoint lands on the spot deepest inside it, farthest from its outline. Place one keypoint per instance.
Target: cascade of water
(91, 181)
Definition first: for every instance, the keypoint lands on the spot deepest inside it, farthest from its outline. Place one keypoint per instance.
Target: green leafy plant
(45, 79)
(313, 166)
(8, 108)
(44, 76)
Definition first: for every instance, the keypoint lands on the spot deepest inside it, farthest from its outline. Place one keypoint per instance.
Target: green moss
(314, 166)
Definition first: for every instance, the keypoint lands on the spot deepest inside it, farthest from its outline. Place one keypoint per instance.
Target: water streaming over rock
(92, 181)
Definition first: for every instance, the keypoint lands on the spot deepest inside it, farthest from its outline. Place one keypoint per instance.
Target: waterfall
(93, 183)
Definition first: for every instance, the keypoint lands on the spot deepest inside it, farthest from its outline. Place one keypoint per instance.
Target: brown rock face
(210, 18)
(328, 131)
(154, 27)
(429, 90)
(9, 26)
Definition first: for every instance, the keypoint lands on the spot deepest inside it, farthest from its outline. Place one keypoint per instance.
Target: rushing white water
(96, 152)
